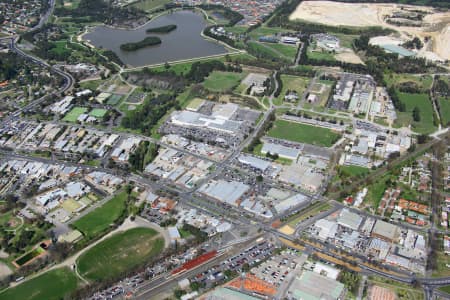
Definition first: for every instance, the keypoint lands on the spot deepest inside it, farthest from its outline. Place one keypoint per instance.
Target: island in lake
(186, 42)
(162, 29)
(148, 41)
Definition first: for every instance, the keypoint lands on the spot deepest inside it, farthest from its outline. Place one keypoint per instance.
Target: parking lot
(276, 269)
(249, 257)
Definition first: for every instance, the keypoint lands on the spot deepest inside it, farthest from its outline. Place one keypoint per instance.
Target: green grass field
(353, 170)
(98, 112)
(376, 191)
(102, 217)
(444, 105)
(422, 101)
(302, 133)
(114, 100)
(312, 210)
(445, 289)
(91, 84)
(219, 81)
(73, 115)
(195, 103)
(287, 50)
(61, 48)
(68, 4)
(441, 268)
(7, 217)
(422, 82)
(52, 285)
(292, 83)
(346, 40)
(320, 55)
(185, 67)
(119, 253)
(265, 50)
(265, 31)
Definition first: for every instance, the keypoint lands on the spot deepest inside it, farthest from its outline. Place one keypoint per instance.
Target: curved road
(69, 81)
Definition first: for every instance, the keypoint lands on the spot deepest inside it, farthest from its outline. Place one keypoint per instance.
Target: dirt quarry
(433, 23)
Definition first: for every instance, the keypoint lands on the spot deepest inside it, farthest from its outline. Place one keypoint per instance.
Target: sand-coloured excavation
(435, 24)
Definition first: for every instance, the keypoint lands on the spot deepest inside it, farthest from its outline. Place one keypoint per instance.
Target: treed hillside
(102, 11)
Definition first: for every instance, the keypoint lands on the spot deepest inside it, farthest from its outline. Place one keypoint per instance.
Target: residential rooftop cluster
(254, 12)
(23, 174)
(20, 15)
(27, 136)
(58, 192)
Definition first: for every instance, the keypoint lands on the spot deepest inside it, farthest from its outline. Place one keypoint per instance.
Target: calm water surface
(183, 43)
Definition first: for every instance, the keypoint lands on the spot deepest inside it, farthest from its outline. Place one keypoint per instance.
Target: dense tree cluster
(162, 29)
(200, 70)
(442, 88)
(102, 11)
(144, 154)
(400, 106)
(222, 38)
(416, 114)
(232, 16)
(112, 56)
(145, 117)
(415, 43)
(8, 66)
(148, 41)
(390, 61)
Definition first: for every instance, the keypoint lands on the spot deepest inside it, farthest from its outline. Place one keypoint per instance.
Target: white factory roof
(83, 93)
(386, 230)
(282, 151)
(151, 197)
(254, 162)
(225, 191)
(349, 219)
(290, 202)
(173, 233)
(327, 228)
(326, 270)
(223, 227)
(392, 148)
(194, 119)
(76, 189)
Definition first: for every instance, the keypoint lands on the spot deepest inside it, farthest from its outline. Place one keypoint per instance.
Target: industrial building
(230, 192)
(313, 286)
(282, 151)
(254, 162)
(326, 41)
(349, 219)
(386, 231)
(194, 119)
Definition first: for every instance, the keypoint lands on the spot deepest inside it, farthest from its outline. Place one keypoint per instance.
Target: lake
(183, 43)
